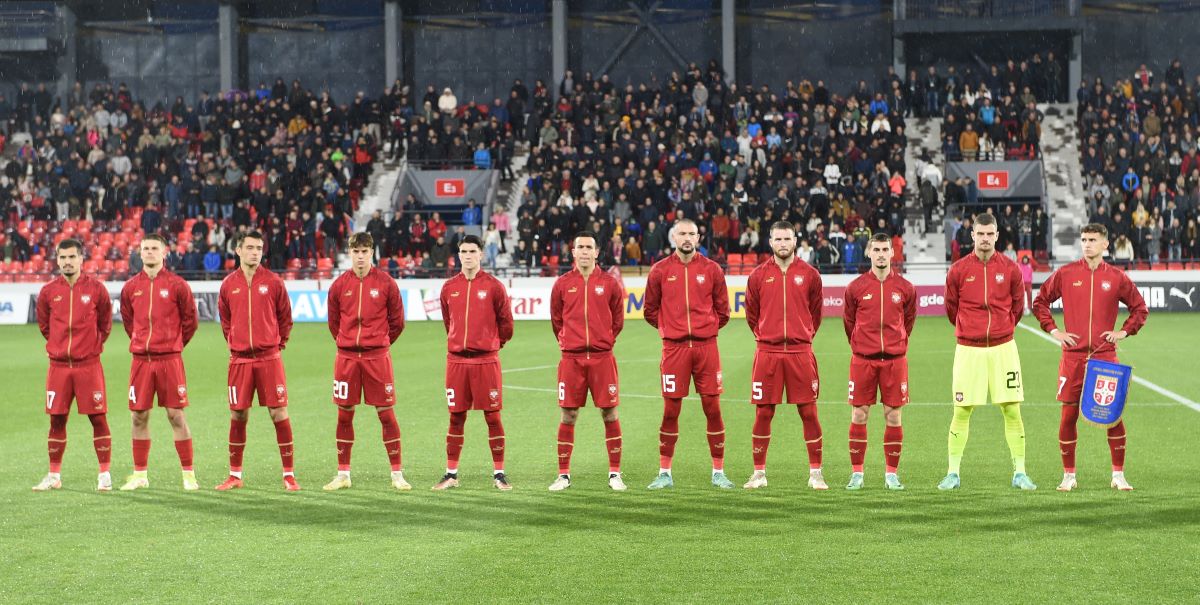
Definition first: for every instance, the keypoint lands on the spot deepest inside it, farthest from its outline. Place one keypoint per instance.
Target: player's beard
(784, 254)
(687, 247)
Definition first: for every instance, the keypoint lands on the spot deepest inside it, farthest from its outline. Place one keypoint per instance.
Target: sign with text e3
(450, 187)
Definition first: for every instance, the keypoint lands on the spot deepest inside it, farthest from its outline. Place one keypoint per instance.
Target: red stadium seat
(293, 263)
(230, 264)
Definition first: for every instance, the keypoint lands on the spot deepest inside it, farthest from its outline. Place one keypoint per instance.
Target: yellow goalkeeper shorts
(983, 371)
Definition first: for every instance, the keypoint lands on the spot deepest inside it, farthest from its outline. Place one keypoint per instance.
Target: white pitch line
(1138, 379)
(841, 403)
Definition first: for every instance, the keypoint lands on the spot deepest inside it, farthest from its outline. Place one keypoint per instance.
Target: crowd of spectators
(1140, 163)
(280, 159)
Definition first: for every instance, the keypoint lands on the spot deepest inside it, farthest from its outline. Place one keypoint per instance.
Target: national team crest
(599, 290)
(958, 397)
(97, 396)
(999, 278)
(904, 387)
(612, 390)
(163, 293)
(1104, 390)
(262, 289)
(85, 299)
(482, 294)
(388, 388)
(374, 292)
(799, 280)
(182, 390)
(1105, 385)
(896, 297)
(700, 279)
(815, 385)
(1106, 286)
(494, 394)
(280, 391)
(720, 378)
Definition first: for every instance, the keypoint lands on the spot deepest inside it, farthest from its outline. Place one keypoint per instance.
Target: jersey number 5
(756, 391)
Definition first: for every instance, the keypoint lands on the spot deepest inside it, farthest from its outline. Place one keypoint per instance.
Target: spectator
(482, 158)
(212, 262)
(491, 245)
(472, 216)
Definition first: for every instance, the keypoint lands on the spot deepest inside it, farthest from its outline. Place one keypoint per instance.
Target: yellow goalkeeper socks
(1014, 434)
(960, 426)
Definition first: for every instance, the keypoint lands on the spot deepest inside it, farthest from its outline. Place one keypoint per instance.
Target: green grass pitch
(985, 543)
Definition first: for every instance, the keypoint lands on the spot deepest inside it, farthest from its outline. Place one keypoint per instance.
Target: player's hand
(1065, 338)
(1113, 337)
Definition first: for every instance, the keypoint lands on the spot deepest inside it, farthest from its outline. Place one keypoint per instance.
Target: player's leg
(674, 373)
(1005, 385)
(183, 447)
(378, 390)
(706, 372)
(487, 379)
(170, 386)
(893, 388)
(1116, 448)
(603, 379)
(240, 395)
(89, 381)
(766, 391)
(613, 445)
(969, 384)
(1070, 386)
(59, 394)
(141, 399)
(804, 388)
(859, 415)
(390, 433)
(458, 401)
(566, 445)
(760, 438)
(572, 395)
(347, 393)
(102, 442)
(270, 380)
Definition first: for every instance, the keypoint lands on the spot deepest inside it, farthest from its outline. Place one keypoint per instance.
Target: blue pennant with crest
(1105, 385)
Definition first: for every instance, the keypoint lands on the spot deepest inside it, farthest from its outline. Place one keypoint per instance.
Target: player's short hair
(250, 235)
(784, 225)
(362, 239)
(68, 243)
(984, 218)
(1096, 228)
(584, 233)
(682, 221)
(156, 237)
(882, 238)
(471, 239)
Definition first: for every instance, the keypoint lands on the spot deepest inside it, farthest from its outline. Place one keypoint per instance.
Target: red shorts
(887, 376)
(84, 384)
(474, 386)
(163, 377)
(362, 380)
(682, 364)
(266, 377)
(773, 372)
(579, 375)
(1070, 375)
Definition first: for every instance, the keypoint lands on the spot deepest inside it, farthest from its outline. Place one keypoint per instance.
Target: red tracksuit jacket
(75, 320)
(1090, 304)
(984, 301)
(256, 317)
(477, 314)
(879, 315)
(365, 315)
(587, 314)
(686, 302)
(159, 314)
(784, 311)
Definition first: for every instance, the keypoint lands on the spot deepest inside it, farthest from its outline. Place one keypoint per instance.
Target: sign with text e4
(993, 179)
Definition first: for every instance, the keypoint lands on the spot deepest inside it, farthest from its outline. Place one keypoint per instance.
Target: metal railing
(971, 9)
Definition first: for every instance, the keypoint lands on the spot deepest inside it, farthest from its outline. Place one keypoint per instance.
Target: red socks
(141, 453)
(812, 433)
(668, 433)
(1068, 436)
(893, 441)
(283, 436)
(183, 447)
(1116, 446)
(858, 446)
(612, 443)
(454, 439)
(56, 443)
(345, 438)
(237, 444)
(761, 435)
(495, 438)
(101, 440)
(391, 436)
(566, 444)
(711, 404)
